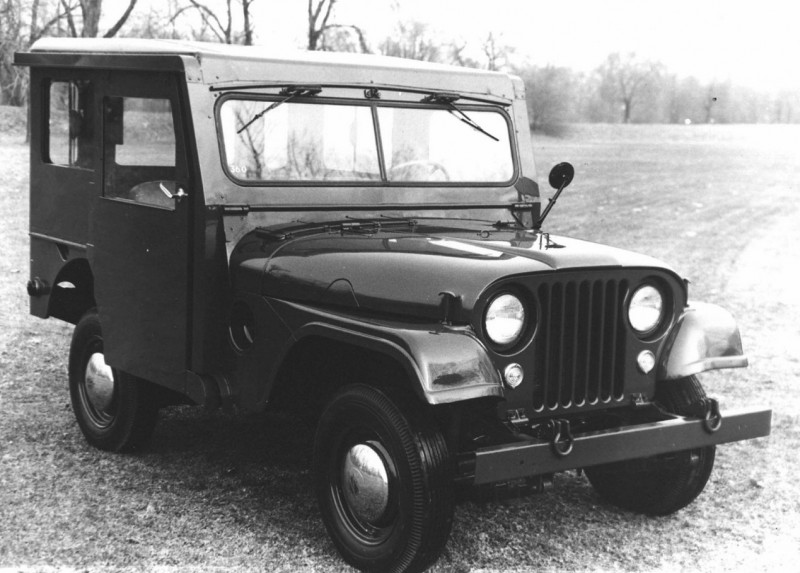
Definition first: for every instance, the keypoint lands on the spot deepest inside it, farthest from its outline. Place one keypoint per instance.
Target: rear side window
(70, 124)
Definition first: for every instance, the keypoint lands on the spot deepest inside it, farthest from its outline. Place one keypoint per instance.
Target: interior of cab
(140, 150)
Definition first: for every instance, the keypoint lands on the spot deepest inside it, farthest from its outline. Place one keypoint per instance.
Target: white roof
(221, 64)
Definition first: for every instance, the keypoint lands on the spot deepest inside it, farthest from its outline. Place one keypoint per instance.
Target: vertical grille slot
(580, 344)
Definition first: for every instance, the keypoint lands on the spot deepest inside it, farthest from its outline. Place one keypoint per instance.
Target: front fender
(446, 364)
(706, 337)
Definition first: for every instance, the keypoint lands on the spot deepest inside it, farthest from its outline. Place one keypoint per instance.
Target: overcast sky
(754, 42)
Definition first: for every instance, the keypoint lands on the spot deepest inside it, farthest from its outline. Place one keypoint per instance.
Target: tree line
(624, 88)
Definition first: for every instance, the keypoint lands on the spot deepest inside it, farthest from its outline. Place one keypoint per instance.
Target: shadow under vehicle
(359, 240)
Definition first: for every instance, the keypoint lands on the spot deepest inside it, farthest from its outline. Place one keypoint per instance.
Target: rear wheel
(115, 411)
(664, 484)
(383, 478)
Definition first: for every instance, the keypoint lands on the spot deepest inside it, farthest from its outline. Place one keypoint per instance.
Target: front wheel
(662, 484)
(115, 411)
(383, 479)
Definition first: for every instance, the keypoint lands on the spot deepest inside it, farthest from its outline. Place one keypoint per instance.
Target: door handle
(179, 194)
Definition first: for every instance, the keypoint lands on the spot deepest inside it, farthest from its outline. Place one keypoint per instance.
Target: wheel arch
(318, 365)
(706, 337)
(73, 291)
(443, 366)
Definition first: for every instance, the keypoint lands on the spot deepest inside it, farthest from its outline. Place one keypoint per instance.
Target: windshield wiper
(447, 99)
(289, 92)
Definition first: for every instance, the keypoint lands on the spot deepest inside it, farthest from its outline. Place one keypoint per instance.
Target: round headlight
(504, 320)
(646, 308)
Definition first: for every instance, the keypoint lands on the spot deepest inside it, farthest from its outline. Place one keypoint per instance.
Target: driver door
(140, 239)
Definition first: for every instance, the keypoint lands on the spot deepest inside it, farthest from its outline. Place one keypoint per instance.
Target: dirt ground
(221, 492)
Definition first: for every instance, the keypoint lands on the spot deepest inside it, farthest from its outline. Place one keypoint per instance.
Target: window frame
(373, 104)
(171, 114)
(123, 87)
(46, 141)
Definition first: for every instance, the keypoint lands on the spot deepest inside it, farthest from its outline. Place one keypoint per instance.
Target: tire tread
(675, 480)
(138, 411)
(429, 466)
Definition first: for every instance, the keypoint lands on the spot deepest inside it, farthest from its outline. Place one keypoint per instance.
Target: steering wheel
(432, 167)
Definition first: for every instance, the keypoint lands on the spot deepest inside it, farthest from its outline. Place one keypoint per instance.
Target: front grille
(580, 344)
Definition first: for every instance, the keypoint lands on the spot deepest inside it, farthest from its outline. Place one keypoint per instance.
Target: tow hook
(708, 410)
(560, 436)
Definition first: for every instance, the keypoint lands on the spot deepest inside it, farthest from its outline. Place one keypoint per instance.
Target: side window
(70, 124)
(140, 150)
(148, 134)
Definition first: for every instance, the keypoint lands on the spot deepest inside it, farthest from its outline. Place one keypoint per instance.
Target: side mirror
(561, 175)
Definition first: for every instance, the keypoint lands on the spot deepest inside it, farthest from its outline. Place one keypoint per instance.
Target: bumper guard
(519, 460)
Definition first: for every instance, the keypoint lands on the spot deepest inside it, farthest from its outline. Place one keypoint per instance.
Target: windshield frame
(373, 105)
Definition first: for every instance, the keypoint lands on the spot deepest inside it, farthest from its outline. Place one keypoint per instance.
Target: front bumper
(538, 457)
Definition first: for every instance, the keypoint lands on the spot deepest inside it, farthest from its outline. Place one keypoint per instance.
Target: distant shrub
(552, 129)
(12, 119)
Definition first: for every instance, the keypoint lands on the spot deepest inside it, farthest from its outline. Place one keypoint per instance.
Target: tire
(115, 411)
(383, 479)
(663, 484)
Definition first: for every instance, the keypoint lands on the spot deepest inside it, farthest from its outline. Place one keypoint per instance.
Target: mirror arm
(560, 176)
(550, 203)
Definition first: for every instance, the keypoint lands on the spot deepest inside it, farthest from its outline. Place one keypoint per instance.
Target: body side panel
(443, 364)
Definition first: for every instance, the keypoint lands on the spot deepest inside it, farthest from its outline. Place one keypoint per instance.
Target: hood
(403, 271)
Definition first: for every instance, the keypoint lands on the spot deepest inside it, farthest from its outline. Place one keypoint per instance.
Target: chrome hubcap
(99, 383)
(365, 483)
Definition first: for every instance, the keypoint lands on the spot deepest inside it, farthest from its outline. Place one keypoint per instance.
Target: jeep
(359, 240)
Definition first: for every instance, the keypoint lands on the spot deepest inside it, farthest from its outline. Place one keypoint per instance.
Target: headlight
(646, 309)
(504, 319)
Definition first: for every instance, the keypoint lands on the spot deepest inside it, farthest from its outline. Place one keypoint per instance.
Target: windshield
(319, 142)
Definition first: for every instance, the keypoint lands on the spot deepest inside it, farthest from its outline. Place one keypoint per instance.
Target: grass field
(217, 491)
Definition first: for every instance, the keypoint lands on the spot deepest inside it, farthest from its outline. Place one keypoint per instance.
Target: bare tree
(18, 33)
(12, 83)
(222, 31)
(223, 28)
(716, 96)
(550, 94)
(320, 27)
(623, 80)
(73, 17)
(153, 22)
(458, 55)
(248, 24)
(496, 53)
(53, 15)
(682, 99)
(90, 12)
(411, 40)
(113, 30)
(786, 106)
(319, 13)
